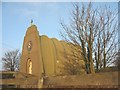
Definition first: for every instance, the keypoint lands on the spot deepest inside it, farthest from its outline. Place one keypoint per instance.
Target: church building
(42, 66)
(42, 55)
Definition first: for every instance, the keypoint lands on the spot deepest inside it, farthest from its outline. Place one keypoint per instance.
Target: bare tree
(117, 61)
(106, 44)
(73, 64)
(11, 60)
(95, 31)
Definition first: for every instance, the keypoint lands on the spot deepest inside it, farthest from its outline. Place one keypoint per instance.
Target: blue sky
(16, 17)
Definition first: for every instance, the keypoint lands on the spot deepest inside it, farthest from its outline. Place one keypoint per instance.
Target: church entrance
(29, 66)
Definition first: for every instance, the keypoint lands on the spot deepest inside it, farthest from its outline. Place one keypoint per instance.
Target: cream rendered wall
(34, 54)
(47, 55)
(59, 55)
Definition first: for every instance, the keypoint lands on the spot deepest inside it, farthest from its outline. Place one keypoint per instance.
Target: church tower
(31, 60)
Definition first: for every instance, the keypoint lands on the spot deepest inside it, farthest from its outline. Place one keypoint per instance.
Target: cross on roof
(31, 22)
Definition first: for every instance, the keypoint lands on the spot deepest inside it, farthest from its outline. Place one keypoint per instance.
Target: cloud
(29, 13)
(34, 9)
(26, 12)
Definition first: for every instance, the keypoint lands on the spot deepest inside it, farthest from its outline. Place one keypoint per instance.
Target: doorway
(29, 66)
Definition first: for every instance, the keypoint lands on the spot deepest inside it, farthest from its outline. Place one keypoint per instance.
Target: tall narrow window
(29, 66)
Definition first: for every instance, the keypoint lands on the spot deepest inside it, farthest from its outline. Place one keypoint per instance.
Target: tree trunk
(92, 70)
(104, 53)
(85, 57)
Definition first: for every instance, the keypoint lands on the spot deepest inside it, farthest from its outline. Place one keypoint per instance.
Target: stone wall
(18, 80)
(104, 80)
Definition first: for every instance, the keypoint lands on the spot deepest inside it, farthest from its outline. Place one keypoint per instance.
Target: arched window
(29, 66)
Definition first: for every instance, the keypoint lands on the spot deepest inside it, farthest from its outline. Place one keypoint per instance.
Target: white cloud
(26, 12)
(29, 13)
(34, 9)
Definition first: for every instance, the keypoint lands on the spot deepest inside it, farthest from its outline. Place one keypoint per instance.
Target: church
(42, 55)
(42, 66)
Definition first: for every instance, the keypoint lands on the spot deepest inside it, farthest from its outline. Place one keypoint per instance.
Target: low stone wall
(99, 80)
(102, 80)
(18, 80)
